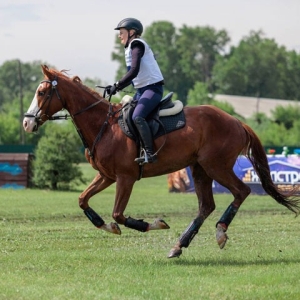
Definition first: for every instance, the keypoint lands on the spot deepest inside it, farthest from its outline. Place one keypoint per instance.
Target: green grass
(50, 250)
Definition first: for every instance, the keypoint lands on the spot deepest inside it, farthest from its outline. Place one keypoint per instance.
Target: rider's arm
(137, 52)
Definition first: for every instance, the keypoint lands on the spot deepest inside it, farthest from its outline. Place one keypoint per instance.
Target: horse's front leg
(123, 192)
(98, 184)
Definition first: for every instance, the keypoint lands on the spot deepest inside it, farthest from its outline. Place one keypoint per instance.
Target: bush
(56, 158)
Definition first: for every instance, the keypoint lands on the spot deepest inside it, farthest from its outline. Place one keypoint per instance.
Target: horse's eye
(40, 93)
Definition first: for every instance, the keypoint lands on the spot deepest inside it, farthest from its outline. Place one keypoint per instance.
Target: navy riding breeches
(147, 100)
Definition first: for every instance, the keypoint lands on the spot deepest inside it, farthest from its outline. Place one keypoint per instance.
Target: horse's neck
(85, 104)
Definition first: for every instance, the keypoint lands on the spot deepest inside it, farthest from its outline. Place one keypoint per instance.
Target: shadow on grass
(232, 262)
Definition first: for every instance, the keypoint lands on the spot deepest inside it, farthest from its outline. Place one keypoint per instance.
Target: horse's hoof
(112, 228)
(221, 236)
(175, 252)
(159, 224)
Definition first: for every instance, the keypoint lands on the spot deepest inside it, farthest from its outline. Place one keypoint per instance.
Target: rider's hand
(111, 89)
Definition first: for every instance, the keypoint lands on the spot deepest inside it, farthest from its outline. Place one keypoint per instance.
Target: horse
(209, 144)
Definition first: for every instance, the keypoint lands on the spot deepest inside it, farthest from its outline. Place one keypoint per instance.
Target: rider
(145, 75)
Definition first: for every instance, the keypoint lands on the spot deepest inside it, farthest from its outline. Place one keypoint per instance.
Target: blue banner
(285, 173)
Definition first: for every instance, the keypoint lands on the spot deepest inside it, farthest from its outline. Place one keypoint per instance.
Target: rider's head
(129, 28)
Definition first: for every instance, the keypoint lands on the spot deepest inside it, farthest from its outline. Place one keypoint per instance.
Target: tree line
(256, 67)
(197, 63)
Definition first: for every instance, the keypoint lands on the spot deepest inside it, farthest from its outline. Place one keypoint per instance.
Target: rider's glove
(112, 89)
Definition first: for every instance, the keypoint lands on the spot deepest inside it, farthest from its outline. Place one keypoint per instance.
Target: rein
(99, 135)
(103, 127)
(87, 108)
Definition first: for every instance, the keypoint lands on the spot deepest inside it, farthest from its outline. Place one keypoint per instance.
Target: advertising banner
(285, 173)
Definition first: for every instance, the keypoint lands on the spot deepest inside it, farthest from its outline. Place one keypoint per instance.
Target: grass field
(50, 250)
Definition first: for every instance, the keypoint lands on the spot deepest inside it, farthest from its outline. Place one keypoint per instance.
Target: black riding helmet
(128, 24)
(131, 23)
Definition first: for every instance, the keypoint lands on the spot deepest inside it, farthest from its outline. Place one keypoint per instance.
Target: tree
(162, 37)
(198, 49)
(286, 115)
(31, 74)
(199, 94)
(273, 132)
(291, 77)
(57, 158)
(257, 67)
(293, 137)
(12, 79)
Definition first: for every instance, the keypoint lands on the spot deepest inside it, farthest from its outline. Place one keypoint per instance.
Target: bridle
(48, 98)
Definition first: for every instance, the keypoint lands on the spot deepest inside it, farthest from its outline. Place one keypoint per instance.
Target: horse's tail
(255, 152)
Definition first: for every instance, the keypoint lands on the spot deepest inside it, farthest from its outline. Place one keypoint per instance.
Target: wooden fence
(15, 170)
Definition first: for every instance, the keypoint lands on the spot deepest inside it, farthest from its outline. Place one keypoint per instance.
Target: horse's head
(45, 103)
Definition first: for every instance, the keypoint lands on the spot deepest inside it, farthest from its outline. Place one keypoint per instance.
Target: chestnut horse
(209, 143)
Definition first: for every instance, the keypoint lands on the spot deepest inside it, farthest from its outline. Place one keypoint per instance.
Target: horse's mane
(76, 79)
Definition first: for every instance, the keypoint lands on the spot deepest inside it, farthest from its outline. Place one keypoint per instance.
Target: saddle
(167, 117)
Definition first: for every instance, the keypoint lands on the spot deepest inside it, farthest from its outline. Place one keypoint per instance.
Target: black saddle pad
(170, 123)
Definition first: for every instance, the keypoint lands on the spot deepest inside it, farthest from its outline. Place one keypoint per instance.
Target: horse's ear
(44, 67)
(76, 79)
(46, 70)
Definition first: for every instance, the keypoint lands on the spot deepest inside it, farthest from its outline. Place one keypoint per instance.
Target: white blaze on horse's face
(29, 122)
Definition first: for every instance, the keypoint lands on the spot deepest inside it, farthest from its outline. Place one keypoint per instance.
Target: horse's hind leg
(203, 189)
(240, 191)
(98, 184)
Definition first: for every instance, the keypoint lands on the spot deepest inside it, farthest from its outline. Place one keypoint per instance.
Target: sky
(79, 35)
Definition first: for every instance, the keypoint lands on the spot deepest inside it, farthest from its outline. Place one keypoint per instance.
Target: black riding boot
(146, 136)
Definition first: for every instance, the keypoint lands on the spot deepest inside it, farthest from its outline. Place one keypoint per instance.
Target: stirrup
(146, 158)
